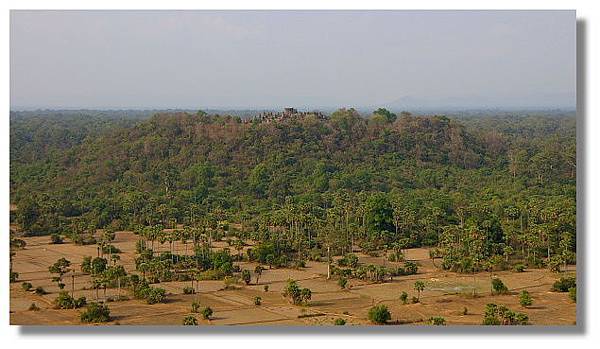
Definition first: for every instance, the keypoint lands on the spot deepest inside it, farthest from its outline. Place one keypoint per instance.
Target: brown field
(446, 294)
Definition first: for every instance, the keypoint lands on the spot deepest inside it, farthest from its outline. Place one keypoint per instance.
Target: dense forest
(475, 189)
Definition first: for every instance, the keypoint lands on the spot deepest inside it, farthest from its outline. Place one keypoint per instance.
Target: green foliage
(65, 301)
(525, 299)
(379, 314)
(96, 312)
(206, 312)
(257, 300)
(188, 290)
(564, 284)
(195, 307)
(437, 321)
(501, 315)
(246, 276)
(295, 294)
(498, 286)
(573, 294)
(342, 282)
(519, 267)
(56, 238)
(190, 320)
(40, 291)
(404, 297)
(26, 286)
(339, 322)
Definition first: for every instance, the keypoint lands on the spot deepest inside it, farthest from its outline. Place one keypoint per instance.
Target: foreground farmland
(446, 294)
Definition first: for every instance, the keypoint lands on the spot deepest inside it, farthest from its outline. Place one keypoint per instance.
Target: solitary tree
(61, 267)
(419, 286)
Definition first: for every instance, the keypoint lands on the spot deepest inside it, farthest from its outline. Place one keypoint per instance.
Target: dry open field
(445, 294)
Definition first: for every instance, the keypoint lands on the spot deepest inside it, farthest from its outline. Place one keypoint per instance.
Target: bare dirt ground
(446, 294)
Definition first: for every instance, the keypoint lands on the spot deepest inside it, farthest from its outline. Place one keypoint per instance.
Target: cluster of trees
(486, 192)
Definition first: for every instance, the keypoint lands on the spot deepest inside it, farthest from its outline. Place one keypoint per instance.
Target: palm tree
(419, 286)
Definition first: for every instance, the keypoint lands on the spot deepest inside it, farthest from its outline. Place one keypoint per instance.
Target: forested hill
(153, 171)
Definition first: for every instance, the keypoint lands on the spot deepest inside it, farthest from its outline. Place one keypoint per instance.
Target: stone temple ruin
(286, 114)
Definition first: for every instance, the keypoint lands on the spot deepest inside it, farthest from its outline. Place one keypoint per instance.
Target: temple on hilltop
(287, 113)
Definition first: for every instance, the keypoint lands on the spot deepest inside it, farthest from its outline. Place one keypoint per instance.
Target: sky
(307, 59)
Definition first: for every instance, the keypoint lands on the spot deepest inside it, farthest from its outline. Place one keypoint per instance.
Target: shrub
(257, 300)
(27, 286)
(501, 315)
(207, 313)
(525, 299)
(266, 288)
(195, 307)
(342, 282)
(96, 312)
(14, 276)
(404, 297)
(339, 322)
(498, 286)
(65, 301)
(110, 249)
(564, 284)
(437, 321)
(190, 320)
(415, 300)
(33, 307)
(295, 294)
(155, 295)
(410, 268)
(379, 314)
(40, 291)
(519, 267)
(188, 290)
(465, 311)
(56, 239)
(246, 276)
(573, 294)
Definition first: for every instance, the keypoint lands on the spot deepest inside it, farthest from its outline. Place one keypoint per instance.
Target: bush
(573, 294)
(257, 300)
(14, 276)
(437, 321)
(96, 312)
(195, 307)
(190, 320)
(525, 299)
(266, 288)
(342, 282)
(246, 276)
(339, 322)
(40, 291)
(207, 313)
(110, 249)
(65, 301)
(379, 314)
(519, 267)
(26, 286)
(500, 315)
(465, 311)
(56, 239)
(33, 307)
(498, 286)
(188, 290)
(404, 297)
(295, 294)
(155, 295)
(415, 300)
(564, 284)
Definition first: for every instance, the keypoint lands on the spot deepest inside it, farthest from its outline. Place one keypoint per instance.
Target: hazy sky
(202, 59)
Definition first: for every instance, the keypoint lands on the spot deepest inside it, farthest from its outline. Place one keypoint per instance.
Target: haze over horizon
(306, 59)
